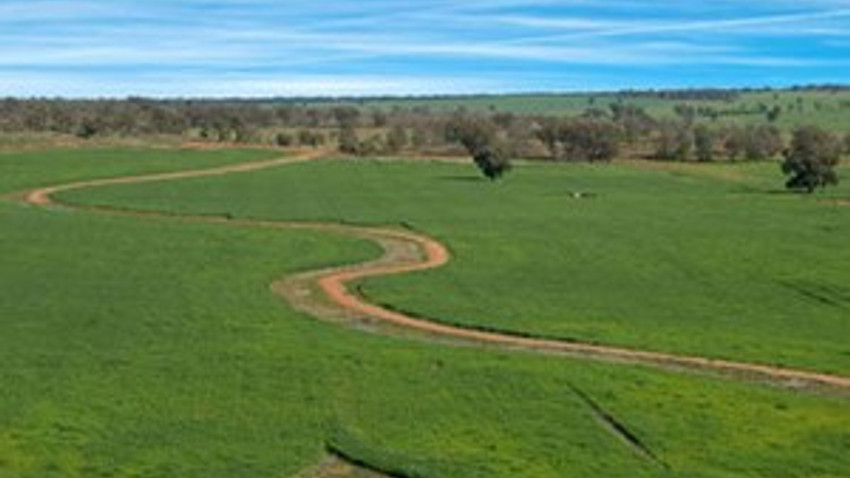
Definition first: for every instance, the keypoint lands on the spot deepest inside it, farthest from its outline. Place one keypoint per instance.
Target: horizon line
(437, 96)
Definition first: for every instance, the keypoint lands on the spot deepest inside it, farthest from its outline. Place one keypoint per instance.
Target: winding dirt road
(326, 294)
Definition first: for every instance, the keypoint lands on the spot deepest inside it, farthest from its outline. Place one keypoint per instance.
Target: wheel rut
(330, 294)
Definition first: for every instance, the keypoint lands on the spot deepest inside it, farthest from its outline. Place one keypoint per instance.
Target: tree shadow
(464, 179)
(766, 192)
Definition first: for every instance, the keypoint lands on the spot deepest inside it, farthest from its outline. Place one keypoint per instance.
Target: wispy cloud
(175, 46)
(643, 27)
(27, 84)
(15, 11)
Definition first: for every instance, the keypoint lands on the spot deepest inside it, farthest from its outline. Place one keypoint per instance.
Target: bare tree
(674, 141)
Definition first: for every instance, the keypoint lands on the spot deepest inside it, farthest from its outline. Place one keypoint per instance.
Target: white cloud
(26, 85)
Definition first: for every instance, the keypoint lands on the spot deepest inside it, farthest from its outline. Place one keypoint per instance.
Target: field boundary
(326, 295)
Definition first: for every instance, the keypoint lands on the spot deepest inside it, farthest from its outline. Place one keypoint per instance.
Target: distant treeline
(599, 133)
(685, 94)
(722, 94)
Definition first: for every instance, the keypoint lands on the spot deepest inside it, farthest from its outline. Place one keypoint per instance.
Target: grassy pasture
(148, 348)
(23, 170)
(713, 260)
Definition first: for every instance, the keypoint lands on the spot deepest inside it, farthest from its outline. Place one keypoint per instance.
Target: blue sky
(165, 48)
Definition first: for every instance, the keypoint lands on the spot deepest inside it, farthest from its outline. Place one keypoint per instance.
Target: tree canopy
(811, 159)
(479, 137)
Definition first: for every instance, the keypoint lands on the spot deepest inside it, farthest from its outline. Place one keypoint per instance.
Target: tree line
(598, 134)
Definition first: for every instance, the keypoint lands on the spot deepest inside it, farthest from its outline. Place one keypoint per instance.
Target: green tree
(307, 137)
(493, 161)
(704, 141)
(86, 129)
(284, 139)
(811, 159)
(480, 139)
(773, 113)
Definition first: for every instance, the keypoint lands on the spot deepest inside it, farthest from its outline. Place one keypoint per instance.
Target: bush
(372, 146)
(86, 129)
(307, 137)
(284, 139)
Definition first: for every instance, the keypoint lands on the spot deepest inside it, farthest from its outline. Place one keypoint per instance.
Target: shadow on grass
(767, 192)
(463, 179)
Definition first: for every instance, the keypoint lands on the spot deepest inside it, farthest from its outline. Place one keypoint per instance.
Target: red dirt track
(406, 251)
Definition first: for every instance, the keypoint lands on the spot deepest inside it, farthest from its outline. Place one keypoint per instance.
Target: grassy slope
(699, 261)
(152, 348)
(43, 168)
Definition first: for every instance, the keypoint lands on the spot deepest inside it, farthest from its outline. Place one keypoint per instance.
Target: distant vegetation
(681, 125)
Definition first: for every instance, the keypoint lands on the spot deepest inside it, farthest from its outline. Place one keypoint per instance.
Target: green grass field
(137, 347)
(44, 168)
(712, 260)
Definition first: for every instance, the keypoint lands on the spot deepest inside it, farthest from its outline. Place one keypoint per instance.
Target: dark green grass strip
(619, 428)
